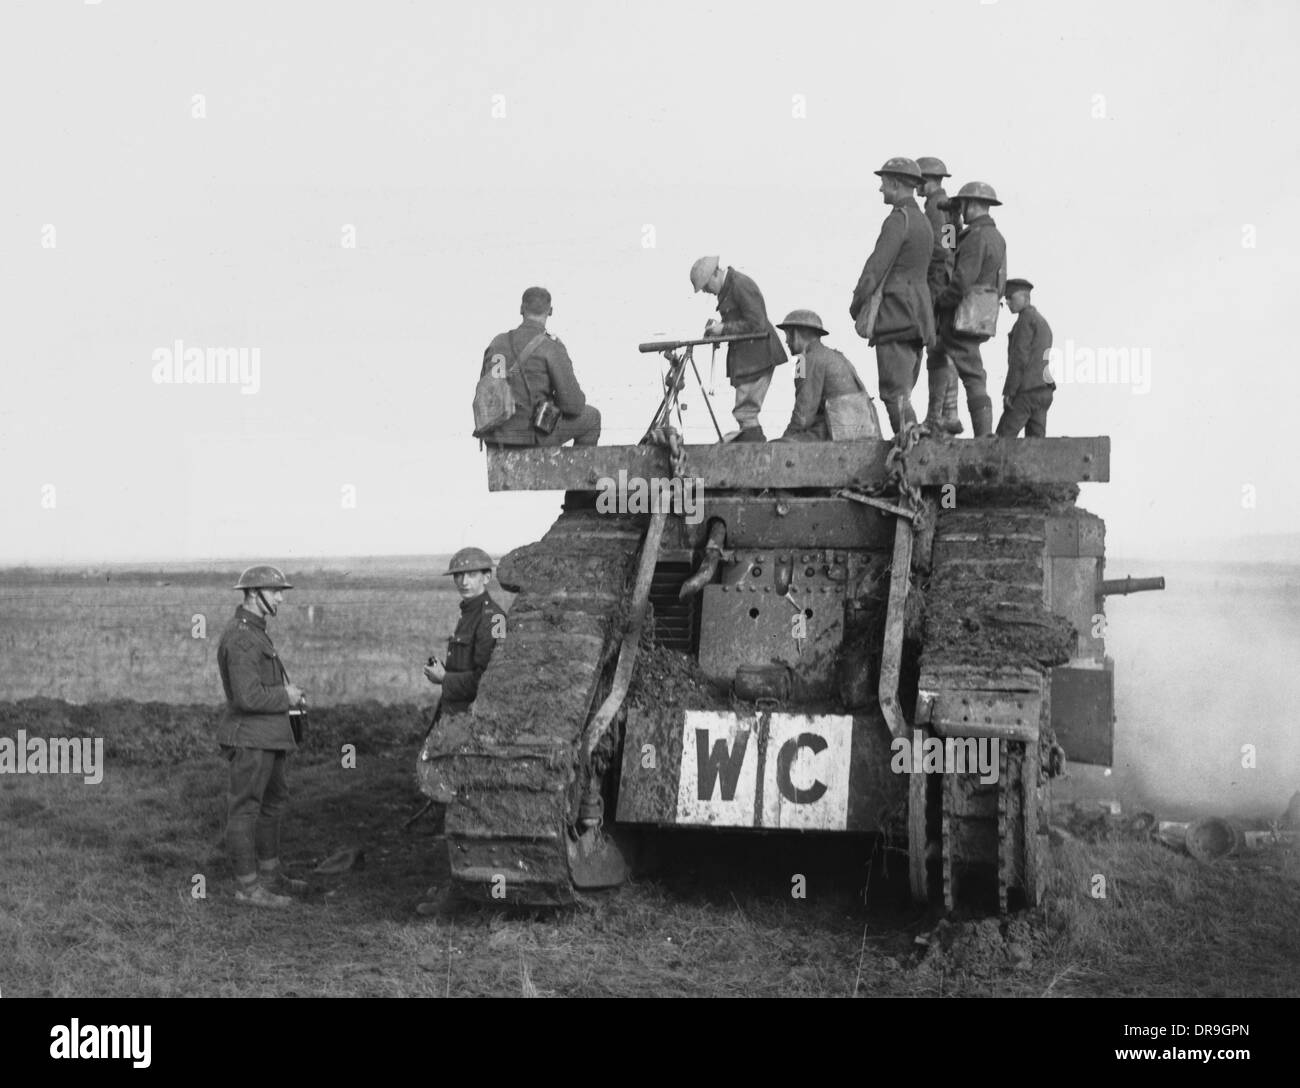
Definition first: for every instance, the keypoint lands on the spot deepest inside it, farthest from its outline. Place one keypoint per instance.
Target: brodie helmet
(468, 559)
(263, 576)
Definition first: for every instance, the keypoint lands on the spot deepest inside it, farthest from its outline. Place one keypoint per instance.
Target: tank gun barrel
(674, 345)
(1111, 586)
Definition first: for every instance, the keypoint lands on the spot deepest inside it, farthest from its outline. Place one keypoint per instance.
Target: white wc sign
(796, 775)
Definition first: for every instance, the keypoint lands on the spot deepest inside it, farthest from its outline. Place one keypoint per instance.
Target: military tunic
(981, 261)
(906, 309)
(547, 372)
(1029, 385)
(741, 309)
(257, 705)
(905, 320)
(942, 255)
(468, 651)
(820, 373)
(937, 276)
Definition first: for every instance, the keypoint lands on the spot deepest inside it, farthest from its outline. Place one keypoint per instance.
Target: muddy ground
(100, 897)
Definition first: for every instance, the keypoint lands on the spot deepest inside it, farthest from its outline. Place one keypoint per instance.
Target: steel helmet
(932, 167)
(263, 576)
(701, 270)
(802, 319)
(904, 168)
(468, 559)
(978, 190)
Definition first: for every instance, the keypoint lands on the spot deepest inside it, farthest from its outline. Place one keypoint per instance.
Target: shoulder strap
(522, 358)
(529, 348)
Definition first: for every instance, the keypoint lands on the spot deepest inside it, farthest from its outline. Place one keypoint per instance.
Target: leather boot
(934, 410)
(751, 434)
(951, 419)
(981, 416)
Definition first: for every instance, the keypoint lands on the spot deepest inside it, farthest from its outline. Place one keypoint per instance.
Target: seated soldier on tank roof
(551, 408)
(820, 374)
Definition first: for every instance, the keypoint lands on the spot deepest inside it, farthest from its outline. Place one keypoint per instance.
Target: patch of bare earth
(98, 898)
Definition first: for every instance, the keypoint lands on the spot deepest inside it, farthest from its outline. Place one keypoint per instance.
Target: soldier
(480, 627)
(981, 261)
(941, 416)
(539, 369)
(897, 267)
(1029, 387)
(820, 373)
(750, 364)
(255, 736)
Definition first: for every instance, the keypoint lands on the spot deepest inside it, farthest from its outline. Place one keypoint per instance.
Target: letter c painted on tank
(785, 760)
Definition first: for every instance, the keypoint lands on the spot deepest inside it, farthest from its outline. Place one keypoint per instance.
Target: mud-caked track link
(512, 760)
(989, 639)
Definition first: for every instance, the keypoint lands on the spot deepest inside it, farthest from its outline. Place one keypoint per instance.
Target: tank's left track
(512, 760)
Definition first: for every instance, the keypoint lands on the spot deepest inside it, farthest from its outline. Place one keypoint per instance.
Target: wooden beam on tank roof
(807, 464)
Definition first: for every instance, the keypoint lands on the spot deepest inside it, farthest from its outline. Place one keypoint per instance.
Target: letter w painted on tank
(720, 761)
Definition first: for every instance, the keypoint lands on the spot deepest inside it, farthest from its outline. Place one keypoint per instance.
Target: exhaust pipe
(709, 564)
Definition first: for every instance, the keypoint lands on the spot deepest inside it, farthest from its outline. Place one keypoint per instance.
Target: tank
(904, 638)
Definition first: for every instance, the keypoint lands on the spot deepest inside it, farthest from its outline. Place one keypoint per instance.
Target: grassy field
(137, 639)
(98, 900)
(96, 895)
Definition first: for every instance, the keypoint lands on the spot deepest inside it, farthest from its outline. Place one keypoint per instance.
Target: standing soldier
(1029, 388)
(941, 416)
(481, 626)
(897, 269)
(256, 736)
(820, 374)
(750, 363)
(539, 369)
(981, 262)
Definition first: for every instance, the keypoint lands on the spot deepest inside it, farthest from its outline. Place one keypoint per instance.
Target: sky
(360, 193)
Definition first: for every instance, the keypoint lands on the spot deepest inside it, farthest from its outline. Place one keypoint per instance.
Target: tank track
(512, 760)
(987, 628)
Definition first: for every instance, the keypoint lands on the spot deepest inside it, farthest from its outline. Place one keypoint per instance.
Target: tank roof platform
(932, 462)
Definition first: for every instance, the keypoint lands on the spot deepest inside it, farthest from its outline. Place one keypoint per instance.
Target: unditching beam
(931, 462)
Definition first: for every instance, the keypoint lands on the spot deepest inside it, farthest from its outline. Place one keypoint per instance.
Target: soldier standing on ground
(898, 267)
(256, 737)
(545, 373)
(480, 627)
(750, 363)
(1029, 388)
(941, 416)
(820, 374)
(981, 261)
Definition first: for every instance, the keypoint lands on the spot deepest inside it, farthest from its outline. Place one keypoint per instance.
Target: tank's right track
(513, 759)
(987, 626)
